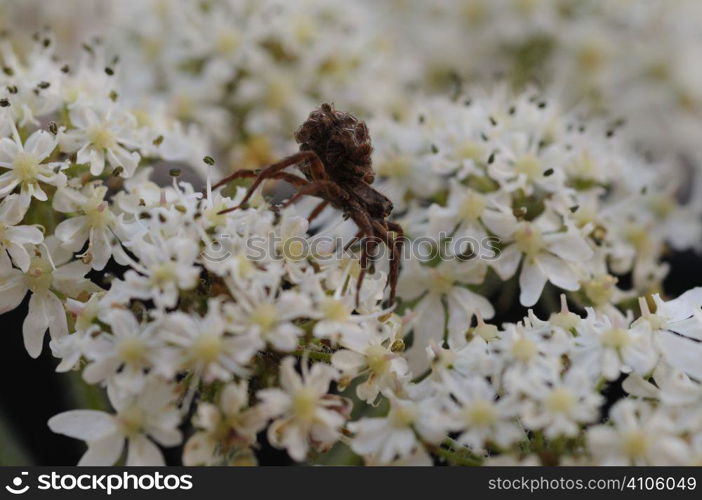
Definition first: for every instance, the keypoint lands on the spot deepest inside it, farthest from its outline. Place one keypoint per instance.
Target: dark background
(31, 392)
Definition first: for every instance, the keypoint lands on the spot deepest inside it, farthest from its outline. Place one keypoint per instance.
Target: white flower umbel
(93, 225)
(49, 273)
(102, 137)
(16, 239)
(140, 422)
(224, 428)
(549, 251)
(27, 166)
(304, 414)
(381, 440)
(637, 435)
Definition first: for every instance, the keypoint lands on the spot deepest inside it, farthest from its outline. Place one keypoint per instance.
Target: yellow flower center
(524, 349)
(378, 359)
(40, 275)
(395, 167)
(97, 213)
(294, 249)
(208, 347)
(278, 94)
(470, 150)
(615, 338)
(163, 274)
(228, 42)
(472, 206)
(481, 413)
(440, 283)
(184, 107)
(561, 400)
(530, 166)
(529, 239)
(131, 420)
(305, 403)
(403, 416)
(591, 57)
(335, 310)
(26, 166)
(635, 443)
(599, 289)
(265, 316)
(101, 137)
(131, 350)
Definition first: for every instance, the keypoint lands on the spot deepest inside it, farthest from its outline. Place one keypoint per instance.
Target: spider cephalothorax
(335, 157)
(340, 140)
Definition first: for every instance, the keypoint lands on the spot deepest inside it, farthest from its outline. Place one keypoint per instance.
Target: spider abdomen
(340, 140)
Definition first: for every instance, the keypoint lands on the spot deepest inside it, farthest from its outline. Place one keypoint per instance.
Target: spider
(335, 158)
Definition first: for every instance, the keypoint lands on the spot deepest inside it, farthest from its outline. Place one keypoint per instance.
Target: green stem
(313, 355)
(459, 456)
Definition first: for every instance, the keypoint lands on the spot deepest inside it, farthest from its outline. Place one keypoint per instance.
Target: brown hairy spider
(335, 158)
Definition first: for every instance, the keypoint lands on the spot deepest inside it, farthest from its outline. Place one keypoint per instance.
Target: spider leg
(270, 171)
(365, 228)
(293, 179)
(239, 174)
(317, 210)
(284, 176)
(398, 243)
(353, 240)
(316, 188)
(395, 245)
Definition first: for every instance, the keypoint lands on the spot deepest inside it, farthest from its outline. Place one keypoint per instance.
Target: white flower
(530, 353)
(164, 268)
(26, 165)
(305, 415)
(149, 416)
(125, 355)
(370, 355)
(15, 238)
(677, 330)
(381, 440)
(560, 407)
(203, 345)
(94, 225)
(549, 252)
(447, 281)
(479, 415)
(46, 275)
(638, 435)
(230, 425)
(461, 217)
(101, 137)
(607, 345)
(268, 314)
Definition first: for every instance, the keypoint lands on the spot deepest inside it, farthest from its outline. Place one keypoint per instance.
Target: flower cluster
(224, 333)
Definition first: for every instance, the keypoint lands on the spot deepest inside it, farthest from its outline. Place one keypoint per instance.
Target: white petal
(143, 452)
(73, 232)
(531, 283)
(87, 425)
(41, 143)
(506, 263)
(36, 323)
(103, 452)
(569, 246)
(558, 272)
(682, 353)
(12, 290)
